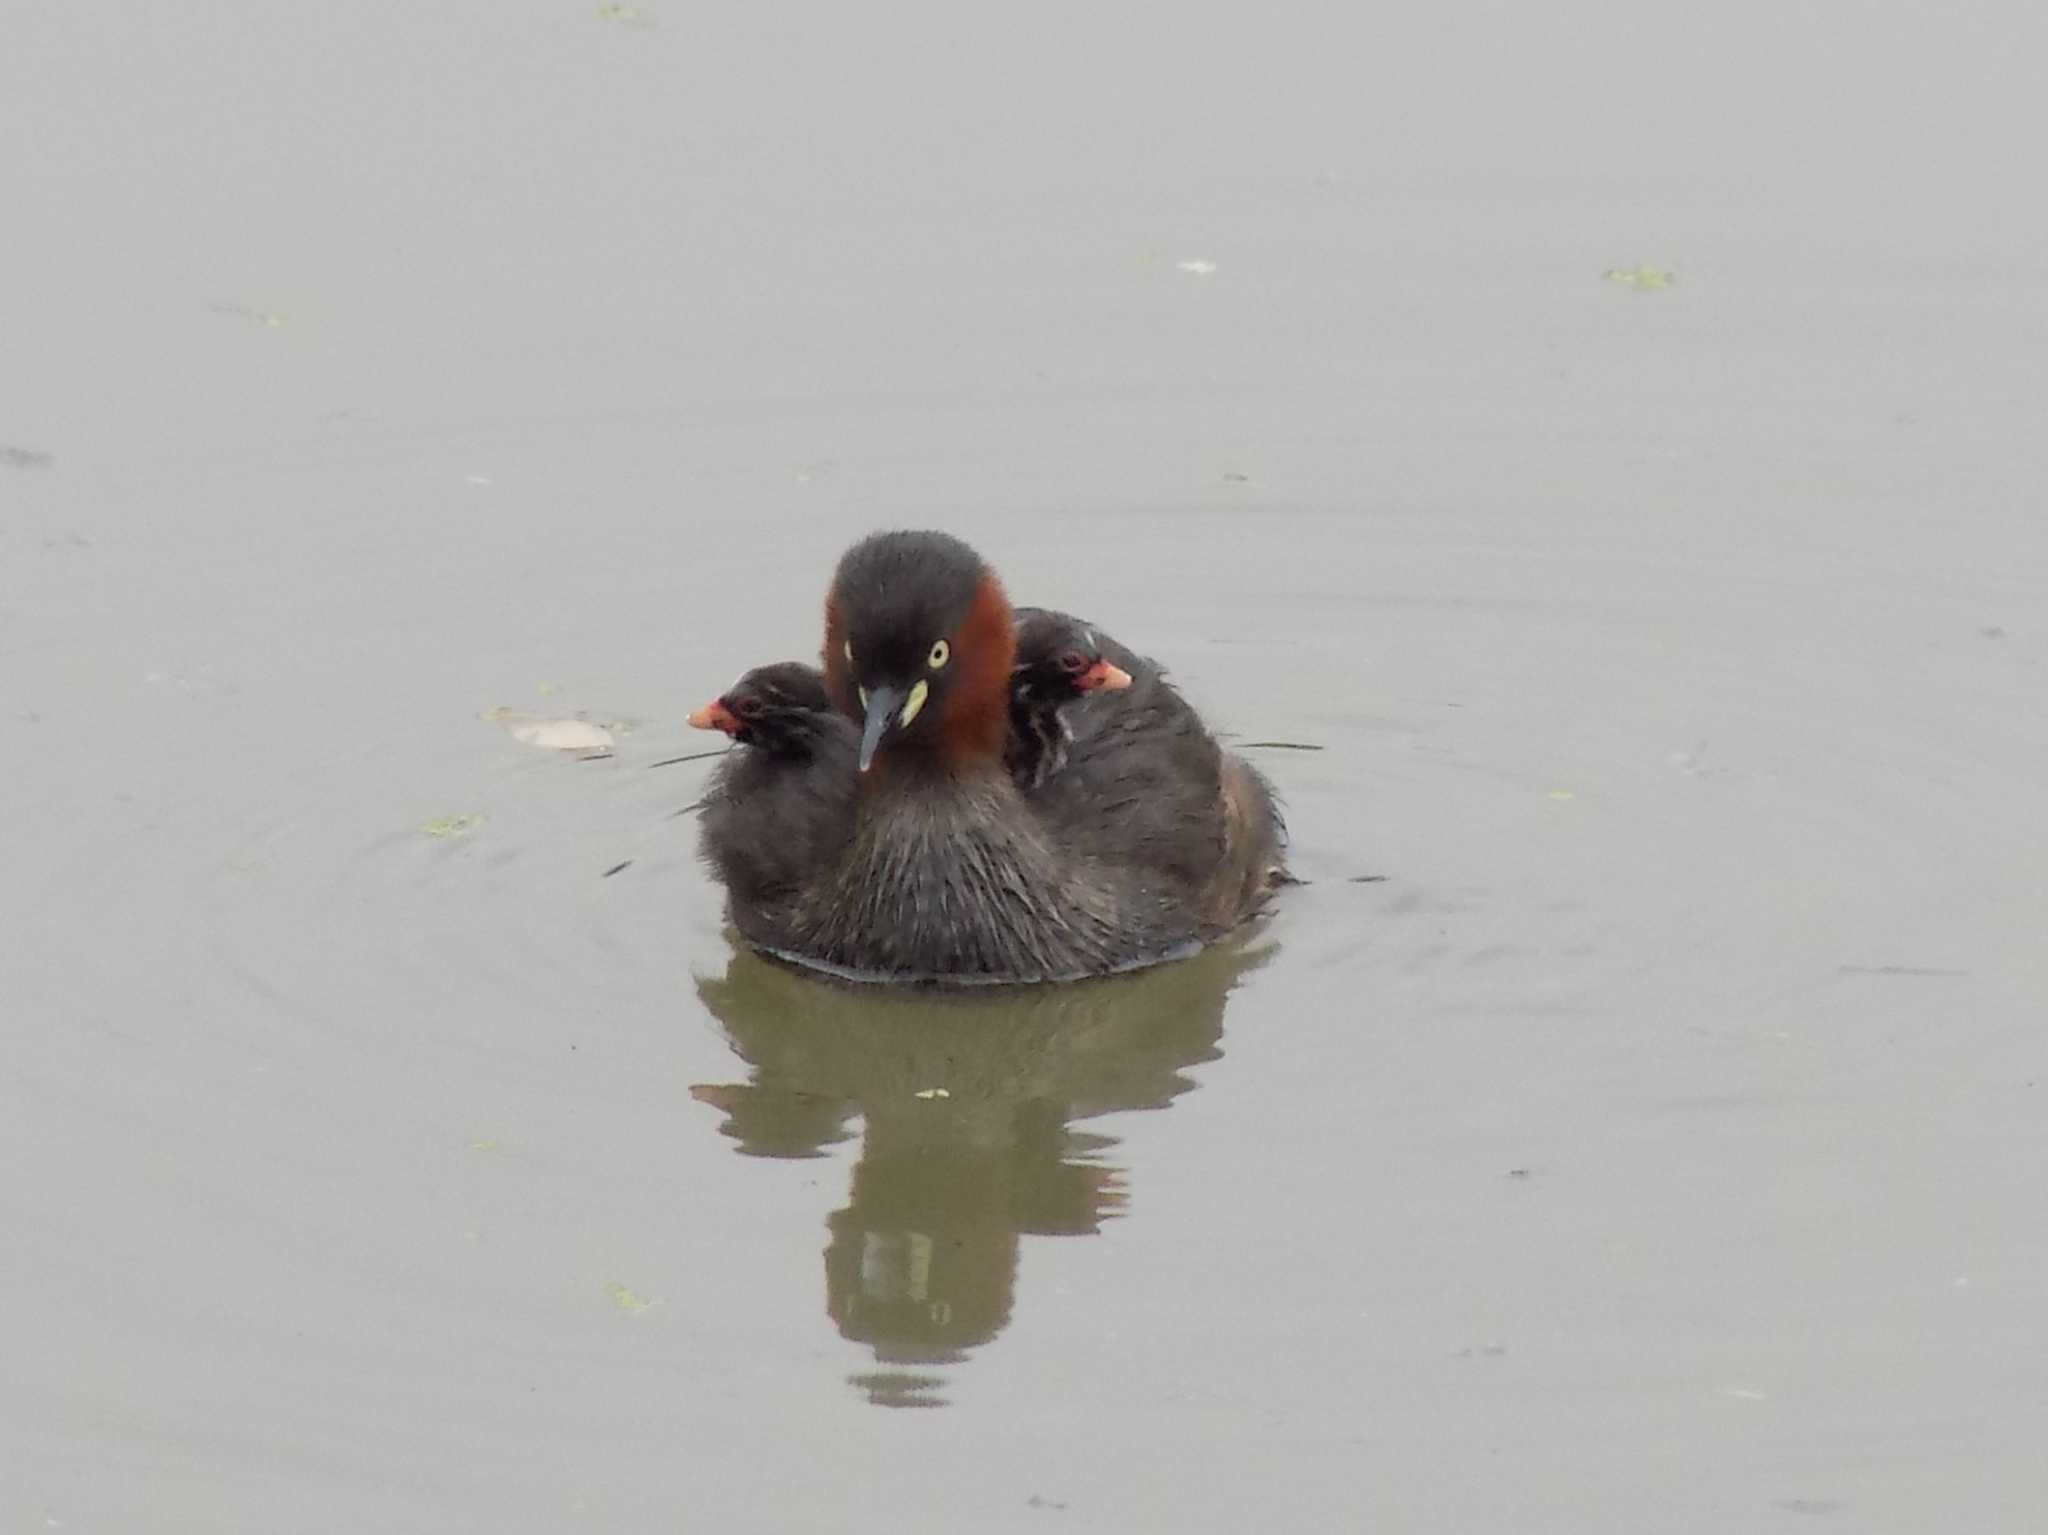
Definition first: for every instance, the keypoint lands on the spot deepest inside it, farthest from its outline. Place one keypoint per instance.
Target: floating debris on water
(627, 1301)
(453, 825)
(627, 16)
(617, 868)
(717, 751)
(1642, 278)
(268, 319)
(1691, 761)
(1197, 266)
(564, 735)
(929, 1093)
(26, 458)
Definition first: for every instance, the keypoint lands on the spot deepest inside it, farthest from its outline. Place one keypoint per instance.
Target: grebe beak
(1106, 676)
(882, 703)
(715, 716)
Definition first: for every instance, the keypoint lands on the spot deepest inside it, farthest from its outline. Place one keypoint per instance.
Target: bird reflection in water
(966, 1101)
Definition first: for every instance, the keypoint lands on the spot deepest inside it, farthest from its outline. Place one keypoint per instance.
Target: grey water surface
(1609, 435)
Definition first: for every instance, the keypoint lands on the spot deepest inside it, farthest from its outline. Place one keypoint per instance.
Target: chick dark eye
(941, 654)
(747, 708)
(1073, 662)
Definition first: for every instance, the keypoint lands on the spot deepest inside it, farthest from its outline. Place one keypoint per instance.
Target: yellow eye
(941, 653)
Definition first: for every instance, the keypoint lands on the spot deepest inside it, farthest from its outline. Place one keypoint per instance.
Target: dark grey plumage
(1142, 841)
(782, 801)
(1054, 652)
(965, 884)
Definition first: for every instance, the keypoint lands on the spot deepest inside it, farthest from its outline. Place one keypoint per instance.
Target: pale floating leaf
(565, 735)
(1197, 266)
(929, 1093)
(1562, 794)
(452, 825)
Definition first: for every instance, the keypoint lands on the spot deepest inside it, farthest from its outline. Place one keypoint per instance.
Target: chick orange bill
(715, 716)
(1104, 675)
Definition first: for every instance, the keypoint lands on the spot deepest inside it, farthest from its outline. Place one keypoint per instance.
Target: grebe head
(770, 706)
(919, 646)
(1059, 658)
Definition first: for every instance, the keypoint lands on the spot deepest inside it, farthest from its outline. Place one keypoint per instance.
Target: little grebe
(1058, 659)
(777, 811)
(774, 813)
(770, 707)
(783, 709)
(1144, 842)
